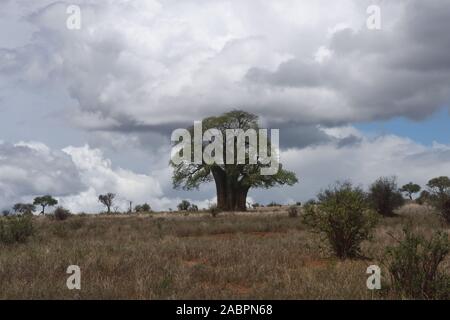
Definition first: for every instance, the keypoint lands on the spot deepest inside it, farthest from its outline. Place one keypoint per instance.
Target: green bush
(193, 208)
(385, 197)
(214, 210)
(183, 205)
(61, 214)
(439, 196)
(273, 204)
(16, 229)
(424, 198)
(343, 218)
(144, 208)
(414, 266)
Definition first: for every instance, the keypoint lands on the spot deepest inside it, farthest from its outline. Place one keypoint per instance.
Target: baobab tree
(233, 180)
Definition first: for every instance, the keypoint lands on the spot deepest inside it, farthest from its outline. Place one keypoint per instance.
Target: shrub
(439, 196)
(6, 213)
(293, 211)
(16, 229)
(61, 213)
(24, 208)
(184, 205)
(193, 208)
(414, 266)
(144, 208)
(256, 205)
(311, 202)
(343, 218)
(214, 210)
(274, 204)
(424, 198)
(385, 197)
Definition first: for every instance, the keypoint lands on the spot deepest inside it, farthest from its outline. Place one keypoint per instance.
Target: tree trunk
(231, 196)
(220, 179)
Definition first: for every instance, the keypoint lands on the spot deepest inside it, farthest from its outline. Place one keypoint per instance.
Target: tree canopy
(45, 201)
(233, 181)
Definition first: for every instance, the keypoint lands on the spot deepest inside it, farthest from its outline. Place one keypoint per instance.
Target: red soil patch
(238, 288)
(315, 263)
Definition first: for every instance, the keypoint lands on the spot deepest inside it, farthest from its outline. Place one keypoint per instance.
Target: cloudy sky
(88, 111)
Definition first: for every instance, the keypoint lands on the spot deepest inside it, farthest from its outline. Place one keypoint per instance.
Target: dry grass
(256, 255)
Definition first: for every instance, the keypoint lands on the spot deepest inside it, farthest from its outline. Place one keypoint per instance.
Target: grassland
(262, 254)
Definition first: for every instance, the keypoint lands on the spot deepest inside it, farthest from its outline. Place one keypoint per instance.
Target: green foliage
(384, 196)
(193, 208)
(311, 202)
(439, 196)
(183, 205)
(16, 229)
(342, 216)
(293, 211)
(414, 266)
(107, 200)
(144, 208)
(439, 185)
(424, 197)
(45, 201)
(235, 178)
(410, 189)
(61, 214)
(273, 204)
(24, 208)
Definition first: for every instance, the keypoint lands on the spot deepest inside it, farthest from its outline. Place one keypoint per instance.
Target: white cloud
(363, 162)
(98, 173)
(31, 169)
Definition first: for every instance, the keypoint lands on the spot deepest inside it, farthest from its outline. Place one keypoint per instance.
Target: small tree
(384, 196)
(184, 205)
(24, 208)
(439, 189)
(439, 185)
(45, 201)
(107, 200)
(410, 189)
(343, 217)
